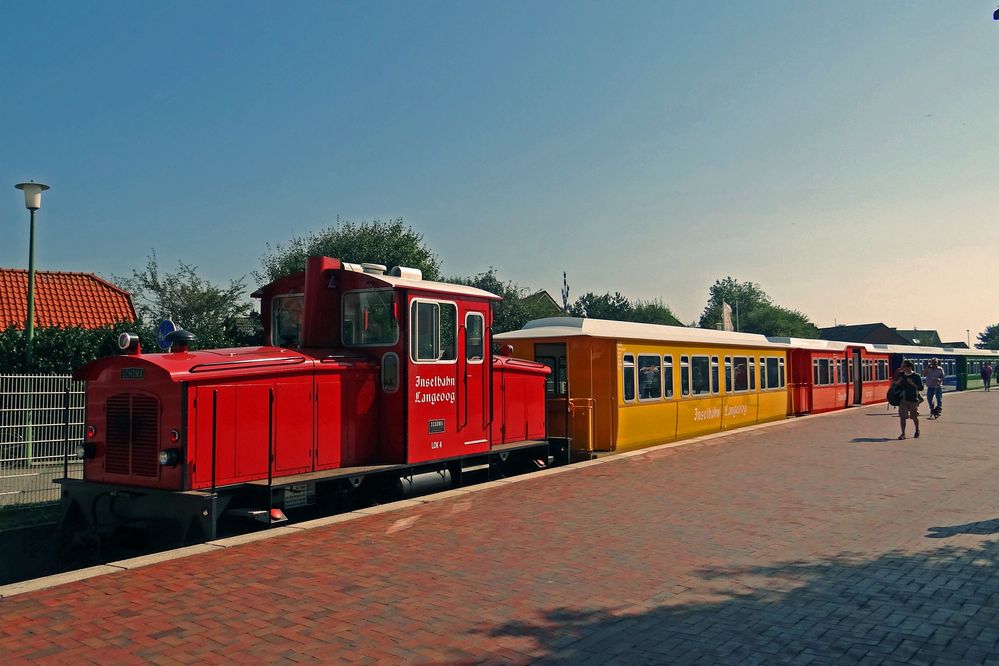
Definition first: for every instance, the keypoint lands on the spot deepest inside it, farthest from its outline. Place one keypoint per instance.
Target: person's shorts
(908, 410)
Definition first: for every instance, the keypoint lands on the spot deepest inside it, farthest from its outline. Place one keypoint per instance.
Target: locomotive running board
(360, 472)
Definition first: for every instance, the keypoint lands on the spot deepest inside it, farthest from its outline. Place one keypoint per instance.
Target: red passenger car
(827, 375)
(369, 372)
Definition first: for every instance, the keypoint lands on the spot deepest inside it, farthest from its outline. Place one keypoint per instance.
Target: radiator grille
(132, 427)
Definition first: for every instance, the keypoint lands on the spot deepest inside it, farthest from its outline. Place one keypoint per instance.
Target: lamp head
(32, 194)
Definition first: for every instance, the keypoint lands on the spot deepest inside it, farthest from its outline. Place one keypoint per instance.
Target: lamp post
(32, 201)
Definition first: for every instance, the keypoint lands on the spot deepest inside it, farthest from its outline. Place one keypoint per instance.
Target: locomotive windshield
(368, 318)
(286, 320)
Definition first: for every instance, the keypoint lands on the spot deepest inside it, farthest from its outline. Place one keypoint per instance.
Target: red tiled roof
(62, 299)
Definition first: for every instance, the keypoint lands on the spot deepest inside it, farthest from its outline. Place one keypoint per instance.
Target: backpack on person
(894, 396)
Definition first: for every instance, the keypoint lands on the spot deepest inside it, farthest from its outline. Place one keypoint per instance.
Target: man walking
(908, 408)
(934, 387)
(987, 374)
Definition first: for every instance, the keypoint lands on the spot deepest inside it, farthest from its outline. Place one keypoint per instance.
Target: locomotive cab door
(448, 407)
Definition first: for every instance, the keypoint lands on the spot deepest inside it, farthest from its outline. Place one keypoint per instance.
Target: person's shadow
(873, 439)
(980, 527)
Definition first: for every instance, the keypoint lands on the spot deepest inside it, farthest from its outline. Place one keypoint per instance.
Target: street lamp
(32, 201)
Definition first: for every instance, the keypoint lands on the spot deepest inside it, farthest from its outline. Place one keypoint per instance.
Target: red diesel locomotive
(370, 374)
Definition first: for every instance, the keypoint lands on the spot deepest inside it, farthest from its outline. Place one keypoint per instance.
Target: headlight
(169, 457)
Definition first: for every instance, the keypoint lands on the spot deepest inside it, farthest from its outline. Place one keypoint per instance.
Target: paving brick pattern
(816, 541)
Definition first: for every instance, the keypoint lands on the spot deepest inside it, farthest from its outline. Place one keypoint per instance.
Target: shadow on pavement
(980, 527)
(896, 607)
(873, 439)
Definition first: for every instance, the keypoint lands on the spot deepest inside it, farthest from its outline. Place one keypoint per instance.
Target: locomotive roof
(558, 327)
(390, 281)
(426, 285)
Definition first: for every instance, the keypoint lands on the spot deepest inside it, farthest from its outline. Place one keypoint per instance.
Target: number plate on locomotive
(133, 373)
(436, 426)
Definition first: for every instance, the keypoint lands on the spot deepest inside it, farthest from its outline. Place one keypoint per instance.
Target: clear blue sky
(842, 154)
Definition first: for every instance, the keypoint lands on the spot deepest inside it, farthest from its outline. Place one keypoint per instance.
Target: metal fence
(41, 423)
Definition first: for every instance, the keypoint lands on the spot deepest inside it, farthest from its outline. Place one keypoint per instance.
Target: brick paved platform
(820, 540)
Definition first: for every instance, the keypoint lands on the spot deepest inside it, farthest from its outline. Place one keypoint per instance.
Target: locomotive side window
(668, 376)
(390, 372)
(433, 331)
(843, 376)
(286, 320)
(752, 373)
(474, 337)
(368, 318)
(728, 374)
(763, 373)
(649, 377)
(628, 377)
(714, 375)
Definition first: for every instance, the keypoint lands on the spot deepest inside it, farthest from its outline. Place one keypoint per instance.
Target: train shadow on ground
(927, 606)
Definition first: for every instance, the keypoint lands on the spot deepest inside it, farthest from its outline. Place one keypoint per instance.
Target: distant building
(955, 345)
(63, 300)
(924, 338)
(546, 304)
(872, 333)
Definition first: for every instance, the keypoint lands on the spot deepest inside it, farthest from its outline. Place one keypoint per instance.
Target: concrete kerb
(156, 558)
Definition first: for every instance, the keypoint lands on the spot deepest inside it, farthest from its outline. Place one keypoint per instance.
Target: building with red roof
(62, 299)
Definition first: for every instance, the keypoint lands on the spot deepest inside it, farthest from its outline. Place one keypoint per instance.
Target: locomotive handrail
(247, 363)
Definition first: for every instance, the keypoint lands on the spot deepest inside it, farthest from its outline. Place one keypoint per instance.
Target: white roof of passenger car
(562, 327)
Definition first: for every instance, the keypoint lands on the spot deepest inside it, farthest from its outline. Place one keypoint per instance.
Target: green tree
(757, 312)
(748, 296)
(392, 243)
(654, 312)
(989, 338)
(777, 321)
(602, 306)
(214, 314)
(519, 305)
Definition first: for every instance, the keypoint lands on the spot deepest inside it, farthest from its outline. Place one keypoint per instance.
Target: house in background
(63, 300)
(955, 345)
(871, 333)
(544, 303)
(924, 338)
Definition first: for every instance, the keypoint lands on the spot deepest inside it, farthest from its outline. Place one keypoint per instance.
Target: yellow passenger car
(618, 386)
